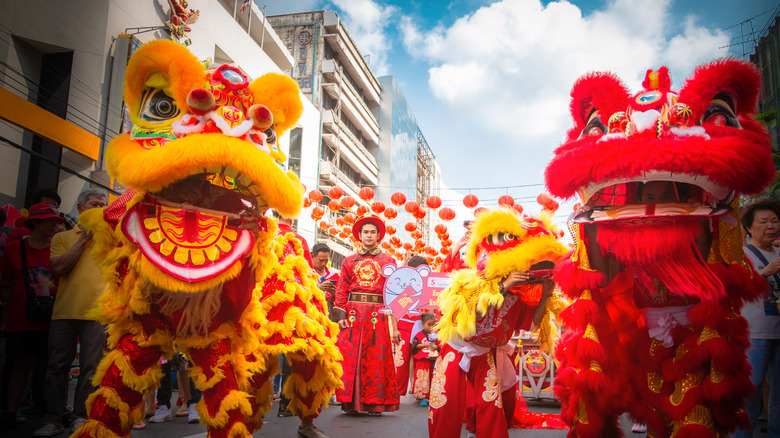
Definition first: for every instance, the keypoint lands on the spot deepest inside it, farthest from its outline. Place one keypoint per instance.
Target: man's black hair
(45, 193)
(318, 248)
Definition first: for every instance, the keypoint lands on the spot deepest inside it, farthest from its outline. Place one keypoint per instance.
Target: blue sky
(489, 81)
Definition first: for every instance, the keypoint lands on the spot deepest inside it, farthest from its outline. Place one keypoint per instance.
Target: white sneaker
(76, 424)
(162, 415)
(471, 435)
(193, 416)
(639, 427)
(333, 400)
(310, 431)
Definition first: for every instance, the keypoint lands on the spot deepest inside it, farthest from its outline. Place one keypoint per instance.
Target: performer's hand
(397, 337)
(343, 324)
(515, 278)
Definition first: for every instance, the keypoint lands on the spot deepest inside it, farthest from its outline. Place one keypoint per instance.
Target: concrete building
(767, 59)
(335, 77)
(61, 73)
(405, 159)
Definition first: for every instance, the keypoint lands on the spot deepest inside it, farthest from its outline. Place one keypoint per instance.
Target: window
(294, 162)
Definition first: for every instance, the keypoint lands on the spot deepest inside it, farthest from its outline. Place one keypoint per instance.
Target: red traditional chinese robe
(369, 370)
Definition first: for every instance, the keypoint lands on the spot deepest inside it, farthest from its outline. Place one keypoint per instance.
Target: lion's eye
(720, 113)
(158, 107)
(509, 237)
(594, 128)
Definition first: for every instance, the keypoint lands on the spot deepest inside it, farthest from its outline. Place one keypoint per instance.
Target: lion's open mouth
(194, 229)
(655, 194)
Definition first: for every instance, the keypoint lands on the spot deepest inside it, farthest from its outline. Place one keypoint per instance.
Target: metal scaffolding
(425, 168)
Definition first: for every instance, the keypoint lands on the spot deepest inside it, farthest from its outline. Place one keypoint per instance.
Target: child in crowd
(425, 351)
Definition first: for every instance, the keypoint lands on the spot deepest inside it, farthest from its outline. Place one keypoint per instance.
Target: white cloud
(367, 21)
(511, 64)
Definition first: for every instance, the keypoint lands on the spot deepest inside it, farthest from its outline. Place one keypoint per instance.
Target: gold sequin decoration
(654, 382)
(586, 295)
(595, 366)
(729, 244)
(680, 352)
(580, 254)
(590, 333)
(582, 414)
(716, 375)
(691, 380)
(698, 415)
(707, 334)
(654, 343)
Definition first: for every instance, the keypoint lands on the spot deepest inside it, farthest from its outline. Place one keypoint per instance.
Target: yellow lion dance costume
(191, 262)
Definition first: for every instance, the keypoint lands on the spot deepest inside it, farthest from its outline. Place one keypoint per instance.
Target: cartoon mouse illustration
(400, 279)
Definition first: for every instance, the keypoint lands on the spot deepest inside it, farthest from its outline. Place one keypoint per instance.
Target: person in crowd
(328, 277)
(761, 220)
(50, 196)
(326, 281)
(425, 351)
(364, 339)
(81, 283)
(405, 329)
(190, 395)
(26, 270)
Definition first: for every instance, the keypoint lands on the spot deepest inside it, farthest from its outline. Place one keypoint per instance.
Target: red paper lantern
(306, 202)
(411, 206)
(385, 245)
(335, 192)
(577, 206)
(419, 214)
(518, 208)
(506, 201)
(416, 234)
(395, 241)
(470, 201)
(419, 244)
(333, 231)
(440, 229)
(334, 205)
(391, 213)
(478, 211)
(408, 246)
(398, 199)
(410, 226)
(362, 210)
(547, 202)
(438, 259)
(324, 225)
(317, 213)
(444, 236)
(350, 218)
(433, 202)
(366, 193)
(315, 196)
(444, 251)
(378, 206)
(340, 221)
(390, 229)
(446, 243)
(447, 214)
(347, 202)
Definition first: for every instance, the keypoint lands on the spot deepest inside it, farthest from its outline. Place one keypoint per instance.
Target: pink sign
(432, 287)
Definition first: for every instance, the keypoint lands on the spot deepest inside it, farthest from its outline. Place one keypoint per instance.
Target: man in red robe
(364, 339)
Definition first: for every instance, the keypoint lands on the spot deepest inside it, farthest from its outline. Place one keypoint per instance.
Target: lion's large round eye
(509, 237)
(158, 107)
(594, 128)
(720, 113)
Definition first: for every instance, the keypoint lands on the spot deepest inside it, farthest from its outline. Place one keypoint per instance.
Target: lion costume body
(659, 282)
(191, 262)
(478, 320)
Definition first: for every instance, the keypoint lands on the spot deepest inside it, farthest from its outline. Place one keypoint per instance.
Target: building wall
(767, 58)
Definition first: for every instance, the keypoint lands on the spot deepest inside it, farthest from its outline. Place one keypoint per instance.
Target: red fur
(665, 251)
(738, 78)
(573, 281)
(603, 91)
(664, 81)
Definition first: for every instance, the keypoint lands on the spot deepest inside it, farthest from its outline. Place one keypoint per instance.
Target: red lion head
(702, 140)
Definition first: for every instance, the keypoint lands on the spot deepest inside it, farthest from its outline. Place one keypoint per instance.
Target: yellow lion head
(204, 159)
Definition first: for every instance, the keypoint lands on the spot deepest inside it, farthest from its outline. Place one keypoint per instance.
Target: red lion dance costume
(657, 332)
(478, 320)
(191, 262)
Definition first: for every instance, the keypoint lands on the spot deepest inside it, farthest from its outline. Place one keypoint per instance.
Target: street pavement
(409, 421)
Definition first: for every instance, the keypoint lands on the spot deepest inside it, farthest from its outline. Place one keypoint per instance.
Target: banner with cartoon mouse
(409, 289)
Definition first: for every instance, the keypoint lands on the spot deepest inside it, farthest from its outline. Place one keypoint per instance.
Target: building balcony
(330, 175)
(360, 117)
(340, 41)
(354, 152)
